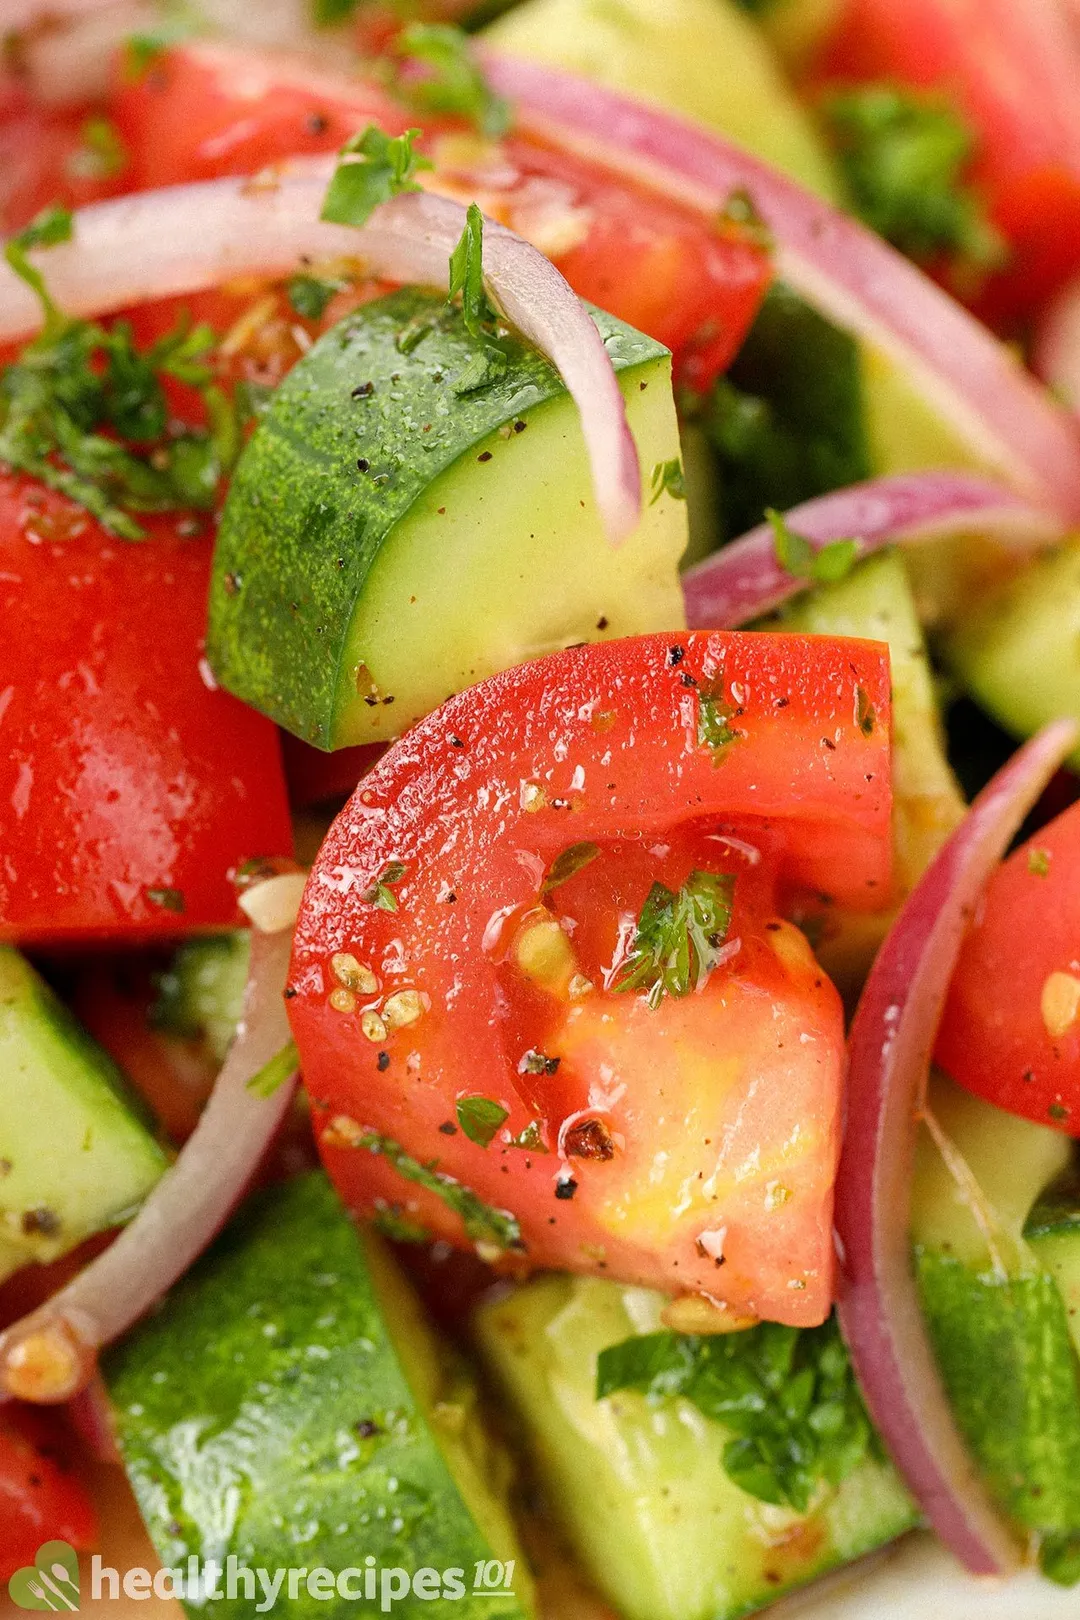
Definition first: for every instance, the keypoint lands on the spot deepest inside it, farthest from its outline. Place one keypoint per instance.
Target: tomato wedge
(692, 283)
(466, 929)
(130, 791)
(1013, 67)
(1011, 1031)
(40, 1500)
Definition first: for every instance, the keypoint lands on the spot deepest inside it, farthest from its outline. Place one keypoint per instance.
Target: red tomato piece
(1013, 68)
(130, 791)
(39, 1501)
(44, 159)
(1011, 1031)
(653, 261)
(691, 1146)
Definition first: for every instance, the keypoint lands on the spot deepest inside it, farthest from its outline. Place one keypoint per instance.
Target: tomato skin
(39, 1501)
(1013, 68)
(208, 110)
(994, 1039)
(123, 772)
(601, 744)
(39, 163)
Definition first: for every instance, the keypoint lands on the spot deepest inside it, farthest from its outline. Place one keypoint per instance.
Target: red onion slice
(156, 244)
(847, 272)
(745, 580)
(1057, 349)
(892, 1038)
(49, 1356)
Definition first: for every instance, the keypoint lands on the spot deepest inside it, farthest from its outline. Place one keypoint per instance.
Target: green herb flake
(679, 937)
(373, 168)
(568, 865)
(453, 83)
(467, 275)
(482, 1222)
(310, 296)
(167, 899)
(535, 1062)
(101, 154)
(865, 713)
(398, 1227)
(667, 479)
(480, 1118)
(381, 894)
(907, 160)
(714, 729)
(1038, 862)
(530, 1139)
(273, 1075)
(143, 50)
(822, 565)
(739, 216)
(787, 1395)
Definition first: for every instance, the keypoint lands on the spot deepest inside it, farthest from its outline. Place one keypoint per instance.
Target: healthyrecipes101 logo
(52, 1583)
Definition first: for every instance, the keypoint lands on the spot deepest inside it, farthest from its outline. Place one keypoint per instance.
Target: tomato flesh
(720, 1108)
(39, 1501)
(130, 791)
(208, 110)
(1011, 1031)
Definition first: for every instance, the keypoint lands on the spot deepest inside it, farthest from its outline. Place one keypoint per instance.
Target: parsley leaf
(787, 1396)
(679, 936)
(374, 167)
(667, 479)
(824, 565)
(273, 1075)
(454, 82)
(482, 1222)
(713, 728)
(47, 229)
(467, 275)
(310, 295)
(380, 894)
(480, 1118)
(101, 154)
(905, 157)
(1038, 862)
(568, 864)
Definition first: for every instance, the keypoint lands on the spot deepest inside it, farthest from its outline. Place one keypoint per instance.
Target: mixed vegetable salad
(539, 826)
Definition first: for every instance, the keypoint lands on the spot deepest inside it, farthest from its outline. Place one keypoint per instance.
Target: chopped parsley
(906, 158)
(480, 1118)
(167, 899)
(667, 479)
(273, 1075)
(787, 1395)
(390, 1221)
(84, 411)
(865, 713)
(310, 296)
(714, 729)
(467, 275)
(374, 167)
(823, 565)
(380, 894)
(679, 937)
(144, 49)
(453, 82)
(482, 1222)
(568, 864)
(101, 154)
(1038, 862)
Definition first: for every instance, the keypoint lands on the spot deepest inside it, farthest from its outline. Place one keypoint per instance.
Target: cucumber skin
(239, 1409)
(303, 524)
(1017, 1415)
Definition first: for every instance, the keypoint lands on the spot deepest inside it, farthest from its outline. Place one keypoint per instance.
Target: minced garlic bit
(544, 954)
(533, 796)
(48, 1365)
(353, 974)
(579, 986)
(1060, 1004)
(404, 1007)
(373, 1027)
(693, 1313)
(342, 1001)
(776, 1194)
(342, 1132)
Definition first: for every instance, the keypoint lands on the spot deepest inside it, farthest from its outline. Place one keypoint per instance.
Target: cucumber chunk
(289, 1406)
(75, 1154)
(995, 1312)
(1053, 1234)
(641, 1488)
(403, 523)
(201, 994)
(1018, 652)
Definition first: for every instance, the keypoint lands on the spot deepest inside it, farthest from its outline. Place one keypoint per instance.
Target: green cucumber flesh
(1053, 1233)
(640, 1489)
(289, 1407)
(388, 541)
(76, 1153)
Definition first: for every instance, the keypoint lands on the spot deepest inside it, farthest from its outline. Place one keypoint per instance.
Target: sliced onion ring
(844, 270)
(745, 580)
(892, 1038)
(50, 1355)
(158, 244)
(1057, 348)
